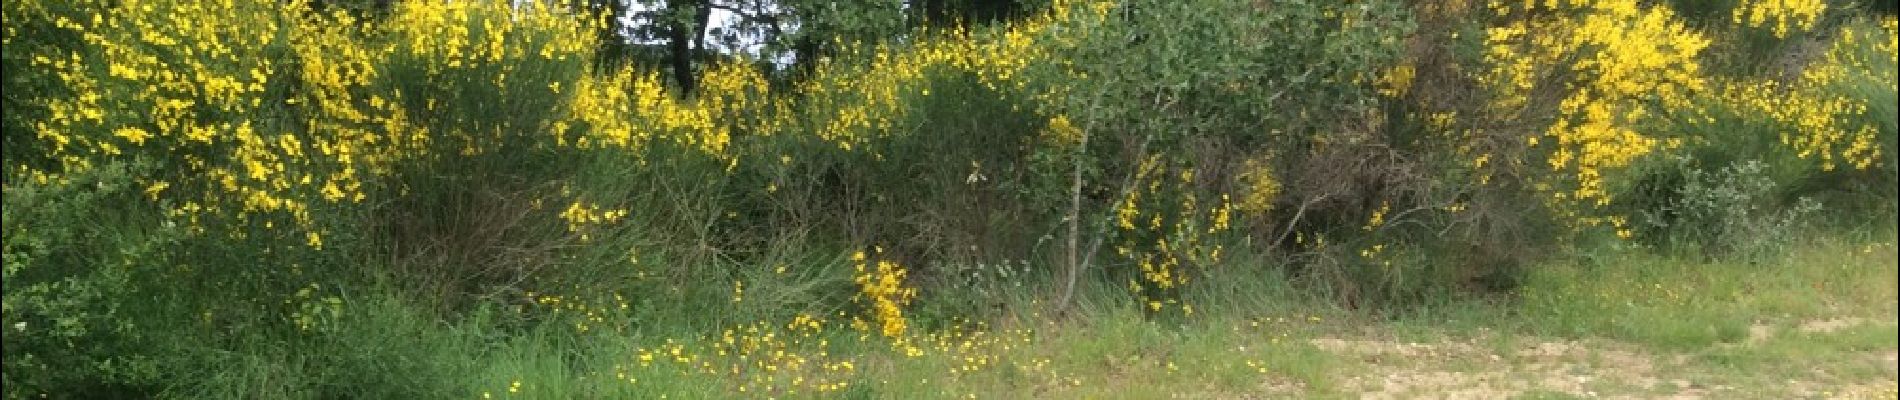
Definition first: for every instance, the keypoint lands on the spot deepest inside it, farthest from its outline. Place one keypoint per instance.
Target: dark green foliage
(74, 260)
(453, 277)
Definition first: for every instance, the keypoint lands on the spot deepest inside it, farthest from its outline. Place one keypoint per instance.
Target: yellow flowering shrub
(153, 80)
(883, 291)
(1258, 187)
(1831, 118)
(202, 85)
(1630, 62)
(858, 102)
(422, 136)
(1815, 125)
(449, 79)
(249, 135)
(1823, 113)
(1781, 17)
(601, 105)
(1167, 231)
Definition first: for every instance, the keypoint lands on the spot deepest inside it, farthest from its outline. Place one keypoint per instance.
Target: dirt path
(1487, 367)
(1470, 369)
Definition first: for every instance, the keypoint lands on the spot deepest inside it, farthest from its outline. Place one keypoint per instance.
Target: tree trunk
(680, 49)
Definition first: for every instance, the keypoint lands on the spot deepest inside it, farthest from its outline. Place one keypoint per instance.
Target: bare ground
(1485, 368)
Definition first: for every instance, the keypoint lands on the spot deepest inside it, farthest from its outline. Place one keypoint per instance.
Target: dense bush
(69, 279)
(283, 175)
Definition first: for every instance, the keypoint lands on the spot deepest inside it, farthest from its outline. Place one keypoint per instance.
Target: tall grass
(458, 199)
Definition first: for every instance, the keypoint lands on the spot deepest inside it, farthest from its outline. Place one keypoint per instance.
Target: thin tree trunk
(681, 48)
(685, 39)
(1075, 226)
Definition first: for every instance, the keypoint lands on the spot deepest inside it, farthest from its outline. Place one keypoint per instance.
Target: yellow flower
(155, 188)
(1061, 132)
(134, 135)
(1632, 61)
(1781, 16)
(1396, 81)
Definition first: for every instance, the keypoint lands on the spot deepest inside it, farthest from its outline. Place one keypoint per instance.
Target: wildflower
(1783, 17)
(135, 135)
(1633, 61)
(153, 189)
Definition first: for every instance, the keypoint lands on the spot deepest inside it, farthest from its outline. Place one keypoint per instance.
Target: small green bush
(75, 261)
(1733, 210)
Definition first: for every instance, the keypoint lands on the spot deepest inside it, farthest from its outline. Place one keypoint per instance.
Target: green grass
(1669, 302)
(1814, 321)
(460, 275)
(1812, 318)
(1739, 326)
(1819, 315)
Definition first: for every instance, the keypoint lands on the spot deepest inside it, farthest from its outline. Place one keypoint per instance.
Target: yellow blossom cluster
(861, 102)
(1824, 114)
(1628, 62)
(1619, 70)
(602, 105)
(434, 80)
(152, 79)
(758, 358)
(1258, 187)
(583, 315)
(796, 357)
(881, 285)
(1166, 228)
(1396, 81)
(1375, 252)
(974, 347)
(581, 216)
(1814, 124)
(1818, 114)
(202, 87)
(1781, 17)
(1061, 133)
(628, 110)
